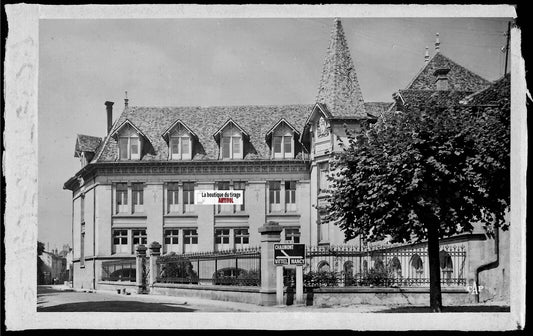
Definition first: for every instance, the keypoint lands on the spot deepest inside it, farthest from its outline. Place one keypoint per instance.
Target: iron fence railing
(380, 266)
(237, 267)
(119, 270)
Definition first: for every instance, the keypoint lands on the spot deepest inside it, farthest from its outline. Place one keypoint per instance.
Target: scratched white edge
(20, 163)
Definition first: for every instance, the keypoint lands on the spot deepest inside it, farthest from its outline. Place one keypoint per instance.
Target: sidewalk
(157, 302)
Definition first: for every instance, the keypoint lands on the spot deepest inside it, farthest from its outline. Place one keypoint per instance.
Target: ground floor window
(231, 238)
(242, 238)
(292, 236)
(190, 240)
(125, 241)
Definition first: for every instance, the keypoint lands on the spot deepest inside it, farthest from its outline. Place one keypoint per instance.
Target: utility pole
(507, 46)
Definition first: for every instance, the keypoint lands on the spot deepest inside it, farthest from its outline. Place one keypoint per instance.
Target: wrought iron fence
(380, 266)
(119, 270)
(237, 267)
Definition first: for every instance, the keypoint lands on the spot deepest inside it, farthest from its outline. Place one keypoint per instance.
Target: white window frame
(233, 136)
(224, 235)
(141, 236)
(292, 235)
(290, 196)
(240, 237)
(124, 207)
(189, 236)
(274, 203)
(181, 154)
(188, 197)
(284, 138)
(130, 141)
(121, 248)
(171, 235)
(137, 201)
(173, 200)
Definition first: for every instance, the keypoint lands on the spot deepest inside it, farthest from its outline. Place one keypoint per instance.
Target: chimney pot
(109, 108)
(437, 43)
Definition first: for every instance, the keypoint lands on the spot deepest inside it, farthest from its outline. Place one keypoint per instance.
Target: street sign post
(289, 254)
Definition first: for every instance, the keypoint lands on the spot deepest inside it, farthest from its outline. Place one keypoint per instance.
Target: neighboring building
(136, 185)
(53, 268)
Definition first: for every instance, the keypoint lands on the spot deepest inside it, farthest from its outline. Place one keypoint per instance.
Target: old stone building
(137, 183)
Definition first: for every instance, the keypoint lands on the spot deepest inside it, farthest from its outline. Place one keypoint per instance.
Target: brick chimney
(109, 108)
(442, 79)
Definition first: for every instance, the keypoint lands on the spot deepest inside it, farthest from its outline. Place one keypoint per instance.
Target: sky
(209, 62)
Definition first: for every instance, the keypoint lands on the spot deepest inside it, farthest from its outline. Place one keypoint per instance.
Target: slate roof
(205, 121)
(459, 78)
(339, 88)
(375, 109)
(498, 93)
(432, 97)
(86, 143)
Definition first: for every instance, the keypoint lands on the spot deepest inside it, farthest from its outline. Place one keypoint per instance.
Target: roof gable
(459, 78)
(125, 124)
(171, 128)
(216, 135)
(339, 88)
(282, 121)
(86, 143)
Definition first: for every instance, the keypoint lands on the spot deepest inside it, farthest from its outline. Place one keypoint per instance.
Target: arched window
(323, 266)
(417, 266)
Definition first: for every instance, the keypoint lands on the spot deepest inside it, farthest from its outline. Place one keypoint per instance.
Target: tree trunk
(435, 296)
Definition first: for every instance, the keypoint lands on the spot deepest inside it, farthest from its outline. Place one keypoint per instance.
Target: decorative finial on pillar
(426, 56)
(437, 43)
(126, 100)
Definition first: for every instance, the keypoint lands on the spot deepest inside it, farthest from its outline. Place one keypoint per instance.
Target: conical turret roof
(339, 88)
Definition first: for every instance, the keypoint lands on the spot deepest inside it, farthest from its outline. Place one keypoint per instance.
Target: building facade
(137, 184)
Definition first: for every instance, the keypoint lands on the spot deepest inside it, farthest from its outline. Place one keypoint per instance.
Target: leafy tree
(423, 174)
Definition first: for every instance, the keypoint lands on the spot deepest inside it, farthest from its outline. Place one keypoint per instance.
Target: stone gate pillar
(141, 255)
(155, 252)
(270, 234)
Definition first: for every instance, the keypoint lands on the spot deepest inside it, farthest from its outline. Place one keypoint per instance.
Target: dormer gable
(282, 139)
(230, 138)
(318, 118)
(131, 141)
(86, 147)
(180, 140)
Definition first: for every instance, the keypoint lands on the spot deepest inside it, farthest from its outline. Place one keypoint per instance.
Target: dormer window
(282, 140)
(180, 148)
(231, 147)
(180, 139)
(283, 147)
(230, 138)
(129, 147)
(130, 141)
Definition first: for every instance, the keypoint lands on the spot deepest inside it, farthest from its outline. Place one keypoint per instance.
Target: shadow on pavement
(115, 306)
(450, 309)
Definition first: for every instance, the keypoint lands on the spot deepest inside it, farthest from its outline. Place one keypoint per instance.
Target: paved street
(61, 299)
